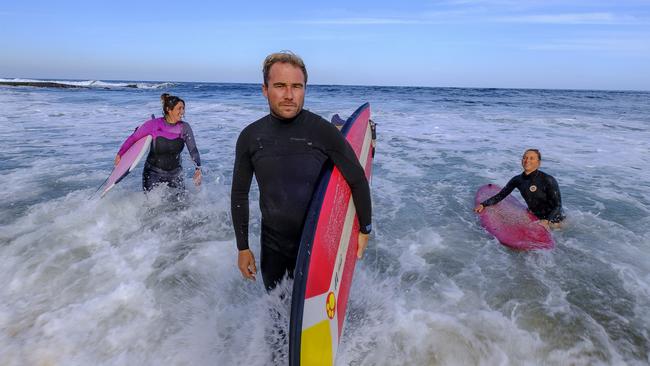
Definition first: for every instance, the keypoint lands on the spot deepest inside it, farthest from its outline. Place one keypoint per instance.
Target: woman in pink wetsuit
(169, 136)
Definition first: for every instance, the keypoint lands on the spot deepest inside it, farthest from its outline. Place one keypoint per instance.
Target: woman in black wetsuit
(540, 191)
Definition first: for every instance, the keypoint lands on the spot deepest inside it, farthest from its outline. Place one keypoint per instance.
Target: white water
(134, 279)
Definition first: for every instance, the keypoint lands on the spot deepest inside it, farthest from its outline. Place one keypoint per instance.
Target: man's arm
(242, 176)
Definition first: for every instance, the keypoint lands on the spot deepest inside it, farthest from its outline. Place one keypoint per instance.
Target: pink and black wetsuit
(164, 160)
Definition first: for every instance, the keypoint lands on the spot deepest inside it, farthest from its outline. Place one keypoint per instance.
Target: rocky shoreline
(51, 84)
(45, 84)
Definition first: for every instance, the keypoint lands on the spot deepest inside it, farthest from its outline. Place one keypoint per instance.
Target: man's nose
(288, 93)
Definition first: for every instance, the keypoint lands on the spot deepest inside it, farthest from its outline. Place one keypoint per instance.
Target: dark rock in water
(38, 84)
(132, 86)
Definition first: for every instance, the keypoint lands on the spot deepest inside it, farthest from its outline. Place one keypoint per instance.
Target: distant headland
(52, 84)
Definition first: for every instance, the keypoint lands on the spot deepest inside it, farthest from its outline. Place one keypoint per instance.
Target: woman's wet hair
(169, 102)
(539, 154)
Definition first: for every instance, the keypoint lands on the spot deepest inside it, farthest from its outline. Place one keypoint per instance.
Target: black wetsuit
(287, 157)
(540, 191)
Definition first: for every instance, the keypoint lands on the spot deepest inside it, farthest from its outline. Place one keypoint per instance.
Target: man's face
(285, 90)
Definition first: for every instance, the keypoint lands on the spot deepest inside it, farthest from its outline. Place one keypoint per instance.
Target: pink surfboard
(128, 162)
(511, 222)
(327, 256)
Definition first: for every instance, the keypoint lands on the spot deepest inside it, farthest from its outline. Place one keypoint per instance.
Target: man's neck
(286, 120)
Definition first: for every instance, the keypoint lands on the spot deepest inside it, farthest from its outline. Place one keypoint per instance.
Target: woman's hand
(197, 177)
(545, 223)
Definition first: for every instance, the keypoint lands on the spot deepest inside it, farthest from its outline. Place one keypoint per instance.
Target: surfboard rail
(327, 256)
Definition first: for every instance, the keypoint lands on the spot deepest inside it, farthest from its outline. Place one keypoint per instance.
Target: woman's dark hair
(169, 102)
(539, 154)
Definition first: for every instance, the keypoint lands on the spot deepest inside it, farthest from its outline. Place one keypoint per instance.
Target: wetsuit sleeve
(242, 176)
(555, 200)
(188, 137)
(142, 131)
(505, 191)
(341, 153)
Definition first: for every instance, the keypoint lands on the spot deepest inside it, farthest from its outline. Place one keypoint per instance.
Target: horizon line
(4, 82)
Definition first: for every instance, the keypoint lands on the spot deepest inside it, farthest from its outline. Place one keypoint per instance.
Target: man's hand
(246, 263)
(363, 244)
(479, 208)
(117, 159)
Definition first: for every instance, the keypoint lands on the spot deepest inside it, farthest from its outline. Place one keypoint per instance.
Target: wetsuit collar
(530, 175)
(170, 124)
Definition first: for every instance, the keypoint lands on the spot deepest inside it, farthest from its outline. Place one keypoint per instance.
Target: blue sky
(571, 44)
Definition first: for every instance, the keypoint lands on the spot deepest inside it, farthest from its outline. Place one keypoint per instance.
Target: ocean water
(148, 280)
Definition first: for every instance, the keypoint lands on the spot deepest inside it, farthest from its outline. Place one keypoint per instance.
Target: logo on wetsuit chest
(300, 139)
(533, 188)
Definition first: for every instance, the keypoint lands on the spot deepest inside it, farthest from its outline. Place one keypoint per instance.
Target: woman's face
(530, 162)
(176, 114)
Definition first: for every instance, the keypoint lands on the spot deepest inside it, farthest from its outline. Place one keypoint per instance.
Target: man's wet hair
(287, 57)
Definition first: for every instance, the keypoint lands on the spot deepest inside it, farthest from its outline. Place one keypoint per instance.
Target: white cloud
(594, 44)
(572, 18)
(359, 21)
(481, 16)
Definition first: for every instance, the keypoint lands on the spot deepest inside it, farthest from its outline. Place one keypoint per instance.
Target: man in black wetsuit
(286, 151)
(540, 191)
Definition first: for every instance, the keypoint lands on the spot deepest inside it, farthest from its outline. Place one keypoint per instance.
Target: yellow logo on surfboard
(330, 305)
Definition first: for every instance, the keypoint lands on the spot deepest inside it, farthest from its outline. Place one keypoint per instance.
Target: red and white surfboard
(327, 257)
